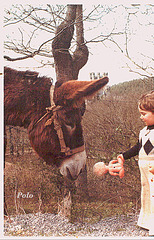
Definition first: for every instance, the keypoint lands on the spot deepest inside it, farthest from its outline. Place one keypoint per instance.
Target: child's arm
(132, 152)
(117, 168)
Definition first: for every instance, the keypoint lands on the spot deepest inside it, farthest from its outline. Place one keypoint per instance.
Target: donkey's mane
(26, 96)
(13, 76)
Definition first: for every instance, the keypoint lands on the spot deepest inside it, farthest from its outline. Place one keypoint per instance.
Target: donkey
(54, 130)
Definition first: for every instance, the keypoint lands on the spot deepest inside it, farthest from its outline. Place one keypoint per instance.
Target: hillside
(136, 87)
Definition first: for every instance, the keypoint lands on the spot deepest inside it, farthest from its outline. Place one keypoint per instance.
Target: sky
(103, 57)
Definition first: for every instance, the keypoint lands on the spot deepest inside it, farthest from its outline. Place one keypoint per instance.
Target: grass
(108, 196)
(94, 211)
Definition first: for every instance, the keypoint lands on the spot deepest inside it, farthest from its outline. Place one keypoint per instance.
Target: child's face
(147, 117)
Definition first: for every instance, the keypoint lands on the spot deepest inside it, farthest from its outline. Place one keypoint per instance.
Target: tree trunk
(67, 66)
(80, 55)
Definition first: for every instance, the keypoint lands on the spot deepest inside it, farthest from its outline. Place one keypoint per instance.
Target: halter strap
(58, 128)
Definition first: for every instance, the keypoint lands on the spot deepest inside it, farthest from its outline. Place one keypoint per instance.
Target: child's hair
(146, 102)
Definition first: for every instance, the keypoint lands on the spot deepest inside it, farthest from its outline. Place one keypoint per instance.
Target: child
(145, 149)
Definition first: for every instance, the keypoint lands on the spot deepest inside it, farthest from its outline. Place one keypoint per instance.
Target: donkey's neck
(24, 118)
(32, 117)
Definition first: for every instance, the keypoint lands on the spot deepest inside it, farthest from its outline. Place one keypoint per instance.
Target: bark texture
(68, 65)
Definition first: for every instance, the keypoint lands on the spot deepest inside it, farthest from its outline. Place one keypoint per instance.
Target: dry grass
(108, 129)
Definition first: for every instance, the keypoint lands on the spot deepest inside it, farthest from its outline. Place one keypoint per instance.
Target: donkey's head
(70, 96)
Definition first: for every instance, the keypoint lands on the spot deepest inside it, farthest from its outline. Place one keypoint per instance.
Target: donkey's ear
(74, 91)
(89, 89)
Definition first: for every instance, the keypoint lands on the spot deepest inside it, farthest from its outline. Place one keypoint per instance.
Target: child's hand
(151, 168)
(120, 159)
(116, 168)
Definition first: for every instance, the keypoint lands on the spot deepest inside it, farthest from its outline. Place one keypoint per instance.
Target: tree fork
(80, 56)
(67, 66)
(61, 45)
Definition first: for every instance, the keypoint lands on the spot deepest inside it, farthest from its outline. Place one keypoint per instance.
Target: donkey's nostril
(71, 167)
(69, 176)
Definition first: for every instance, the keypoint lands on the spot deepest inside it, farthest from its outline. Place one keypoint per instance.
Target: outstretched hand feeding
(115, 167)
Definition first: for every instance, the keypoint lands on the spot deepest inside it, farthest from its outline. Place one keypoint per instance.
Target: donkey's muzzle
(73, 166)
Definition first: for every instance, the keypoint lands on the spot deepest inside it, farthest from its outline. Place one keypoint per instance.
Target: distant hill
(134, 87)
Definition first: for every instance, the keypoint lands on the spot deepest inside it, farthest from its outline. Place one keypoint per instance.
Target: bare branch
(17, 59)
(20, 19)
(48, 18)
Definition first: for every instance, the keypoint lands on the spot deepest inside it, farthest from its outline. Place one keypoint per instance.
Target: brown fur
(26, 99)
(25, 96)
(74, 91)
